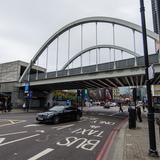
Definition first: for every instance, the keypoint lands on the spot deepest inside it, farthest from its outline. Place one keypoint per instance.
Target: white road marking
(11, 122)
(15, 154)
(32, 125)
(63, 127)
(21, 139)
(12, 133)
(2, 139)
(39, 155)
(41, 131)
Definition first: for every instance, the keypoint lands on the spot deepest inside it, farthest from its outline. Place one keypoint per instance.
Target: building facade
(156, 15)
(9, 75)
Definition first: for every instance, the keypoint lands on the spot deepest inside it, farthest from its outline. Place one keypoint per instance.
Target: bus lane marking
(94, 130)
(32, 125)
(85, 144)
(39, 155)
(88, 132)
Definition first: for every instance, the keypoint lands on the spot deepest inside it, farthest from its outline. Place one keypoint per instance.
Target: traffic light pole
(151, 120)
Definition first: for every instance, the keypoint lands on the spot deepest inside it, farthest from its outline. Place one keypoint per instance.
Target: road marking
(11, 122)
(2, 139)
(39, 155)
(41, 131)
(63, 127)
(32, 125)
(21, 139)
(12, 133)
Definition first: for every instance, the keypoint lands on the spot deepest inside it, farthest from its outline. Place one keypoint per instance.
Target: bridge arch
(98, 47)
(67, 27)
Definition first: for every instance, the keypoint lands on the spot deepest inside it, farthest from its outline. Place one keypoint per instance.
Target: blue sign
(68, 103)
(26, 88)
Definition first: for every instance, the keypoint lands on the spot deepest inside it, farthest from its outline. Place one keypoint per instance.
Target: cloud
(27, 24)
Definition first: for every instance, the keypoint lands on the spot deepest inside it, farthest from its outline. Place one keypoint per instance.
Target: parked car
(59, 113)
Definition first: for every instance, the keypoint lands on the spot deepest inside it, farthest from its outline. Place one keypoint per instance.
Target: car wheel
(56, 120)
(77, 117)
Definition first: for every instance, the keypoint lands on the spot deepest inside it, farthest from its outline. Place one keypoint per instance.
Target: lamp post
(151, 120)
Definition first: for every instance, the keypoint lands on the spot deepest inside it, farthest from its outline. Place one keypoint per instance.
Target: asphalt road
(22, 138)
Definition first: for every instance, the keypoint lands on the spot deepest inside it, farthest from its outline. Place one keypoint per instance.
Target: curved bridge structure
(99, 47)
(81, 22)
(95, 71)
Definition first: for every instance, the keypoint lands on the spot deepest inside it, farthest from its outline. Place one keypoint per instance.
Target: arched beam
(84, 21)
(97, 47)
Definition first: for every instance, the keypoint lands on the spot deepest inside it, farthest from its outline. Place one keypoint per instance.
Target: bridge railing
(121, 64)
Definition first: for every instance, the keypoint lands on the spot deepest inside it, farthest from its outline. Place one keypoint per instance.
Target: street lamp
(151, 120)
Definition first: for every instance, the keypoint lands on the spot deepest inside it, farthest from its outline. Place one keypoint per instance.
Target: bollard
(132, 118)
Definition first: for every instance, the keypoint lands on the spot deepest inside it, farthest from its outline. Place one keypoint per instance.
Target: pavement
(130, 144)
(133, 144)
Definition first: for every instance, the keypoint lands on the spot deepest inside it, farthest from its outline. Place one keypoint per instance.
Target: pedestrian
(144, 106)
(9, 106)
(24, 106)
(5, 105)
(120, 107)
(138, 109)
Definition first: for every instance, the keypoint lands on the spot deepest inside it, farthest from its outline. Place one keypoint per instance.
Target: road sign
(151, 72)
(26, 87)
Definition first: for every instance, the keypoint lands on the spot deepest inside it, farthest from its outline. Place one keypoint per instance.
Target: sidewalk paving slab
(133, 144)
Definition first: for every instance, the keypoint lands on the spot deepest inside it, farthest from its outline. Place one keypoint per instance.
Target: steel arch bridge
(137, 58)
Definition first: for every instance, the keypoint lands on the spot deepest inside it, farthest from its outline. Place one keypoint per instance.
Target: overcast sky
(26, 24)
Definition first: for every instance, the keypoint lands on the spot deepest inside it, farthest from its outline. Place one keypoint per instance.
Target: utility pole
(151, 120)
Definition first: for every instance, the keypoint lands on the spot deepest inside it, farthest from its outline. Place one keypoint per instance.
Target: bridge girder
(116, 21)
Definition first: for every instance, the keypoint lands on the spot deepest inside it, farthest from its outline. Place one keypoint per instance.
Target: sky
(26, 24)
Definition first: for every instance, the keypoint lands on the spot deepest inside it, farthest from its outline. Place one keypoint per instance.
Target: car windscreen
(57, 108)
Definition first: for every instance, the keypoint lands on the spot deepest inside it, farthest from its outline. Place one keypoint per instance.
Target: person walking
(120, 107)
(24, 106)
(138, 109)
